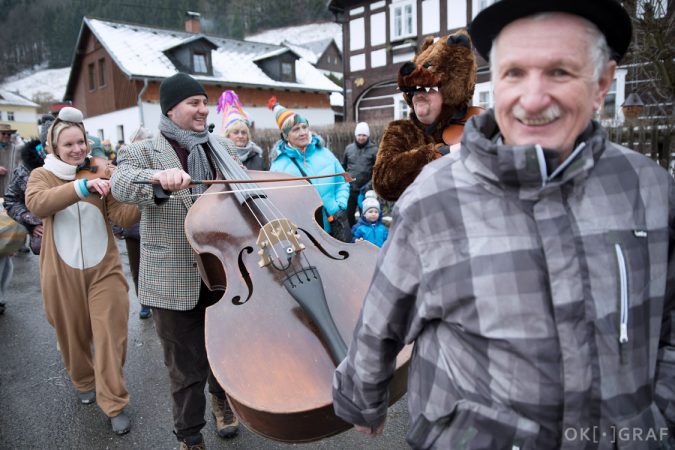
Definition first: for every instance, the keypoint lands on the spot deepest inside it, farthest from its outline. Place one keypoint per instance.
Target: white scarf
(59, 168)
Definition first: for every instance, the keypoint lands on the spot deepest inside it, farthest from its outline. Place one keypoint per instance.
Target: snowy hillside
(301, 34)
(42, 82)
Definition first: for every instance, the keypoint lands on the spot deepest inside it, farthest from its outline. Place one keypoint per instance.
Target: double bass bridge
(278, 238)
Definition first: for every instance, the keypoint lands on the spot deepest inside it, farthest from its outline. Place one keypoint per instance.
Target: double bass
(292, 297)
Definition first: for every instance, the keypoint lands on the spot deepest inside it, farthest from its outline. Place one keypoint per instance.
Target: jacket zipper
(623, 294)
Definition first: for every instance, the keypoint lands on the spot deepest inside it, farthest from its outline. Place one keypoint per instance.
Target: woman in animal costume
(83, 286)
(438, 86)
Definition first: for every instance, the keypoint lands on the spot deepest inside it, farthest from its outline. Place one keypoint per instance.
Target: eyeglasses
(6, 133)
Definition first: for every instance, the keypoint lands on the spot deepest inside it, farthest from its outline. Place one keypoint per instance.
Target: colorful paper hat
(230, 106)
(281, 114)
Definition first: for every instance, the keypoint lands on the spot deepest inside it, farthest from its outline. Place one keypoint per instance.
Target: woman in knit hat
(302, 153)
(84, 289)
(236, 126)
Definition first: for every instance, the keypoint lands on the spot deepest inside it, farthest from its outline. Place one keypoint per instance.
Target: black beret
(608, 15)
(177, 88)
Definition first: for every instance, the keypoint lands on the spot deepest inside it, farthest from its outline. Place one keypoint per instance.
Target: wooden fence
(651, 138)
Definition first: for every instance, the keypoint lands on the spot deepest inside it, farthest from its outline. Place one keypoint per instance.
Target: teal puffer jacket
(316, 160)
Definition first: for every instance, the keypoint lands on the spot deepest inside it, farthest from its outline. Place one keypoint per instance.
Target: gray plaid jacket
(168, 274)
(540, 303)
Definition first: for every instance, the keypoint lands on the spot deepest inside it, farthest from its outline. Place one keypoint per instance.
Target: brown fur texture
(408, 145)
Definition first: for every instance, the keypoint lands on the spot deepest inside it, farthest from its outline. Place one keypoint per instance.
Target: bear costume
(448, 65)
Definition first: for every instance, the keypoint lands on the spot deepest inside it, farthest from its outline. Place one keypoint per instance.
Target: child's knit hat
(370, 201)
(232, 110)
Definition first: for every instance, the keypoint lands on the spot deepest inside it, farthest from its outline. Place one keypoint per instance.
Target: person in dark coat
(32, 157)
(358, 160)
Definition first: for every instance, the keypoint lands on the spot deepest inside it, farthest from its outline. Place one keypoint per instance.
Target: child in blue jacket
(370, 226)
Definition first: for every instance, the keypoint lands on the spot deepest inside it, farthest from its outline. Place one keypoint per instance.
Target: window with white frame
(659, 8)
(10, 116)
(482, 95)
(199, 64)
(401, 108)
(611, 107)
(479, 5)
(403, 19)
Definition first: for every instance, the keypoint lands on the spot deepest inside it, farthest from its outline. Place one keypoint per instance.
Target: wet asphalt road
(39, 409)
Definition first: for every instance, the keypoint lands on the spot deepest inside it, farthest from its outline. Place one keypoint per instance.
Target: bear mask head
(449, 65)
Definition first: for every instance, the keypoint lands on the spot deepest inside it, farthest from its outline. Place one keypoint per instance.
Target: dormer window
(199, 63)
(193, 55)
(279, 66)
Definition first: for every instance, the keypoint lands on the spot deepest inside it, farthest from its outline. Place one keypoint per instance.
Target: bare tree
(651, 62)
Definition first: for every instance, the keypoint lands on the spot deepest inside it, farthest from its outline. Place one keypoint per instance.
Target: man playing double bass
(169, 280)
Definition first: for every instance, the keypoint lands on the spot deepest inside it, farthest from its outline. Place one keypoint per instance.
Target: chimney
(192, 24)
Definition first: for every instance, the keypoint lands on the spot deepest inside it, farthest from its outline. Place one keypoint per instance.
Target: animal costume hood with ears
(447, 64)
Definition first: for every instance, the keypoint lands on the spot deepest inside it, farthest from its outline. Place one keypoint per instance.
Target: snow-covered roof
(138, 51)
(30, 84)
(304, 52)
(302, 35)
(14, 99)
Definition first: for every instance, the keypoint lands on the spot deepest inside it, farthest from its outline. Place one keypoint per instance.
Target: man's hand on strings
(173, 180)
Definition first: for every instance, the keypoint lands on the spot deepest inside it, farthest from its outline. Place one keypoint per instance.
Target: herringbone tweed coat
(168, 275)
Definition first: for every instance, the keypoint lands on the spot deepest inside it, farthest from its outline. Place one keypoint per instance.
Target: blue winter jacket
(317, 160)
(374, 232)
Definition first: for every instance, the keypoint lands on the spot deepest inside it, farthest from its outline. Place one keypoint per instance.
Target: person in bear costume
(446, 66)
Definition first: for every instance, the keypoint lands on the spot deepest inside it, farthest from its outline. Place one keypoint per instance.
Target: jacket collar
(530, 166)
(292, 152)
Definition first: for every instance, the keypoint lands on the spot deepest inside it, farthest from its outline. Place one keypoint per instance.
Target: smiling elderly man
(533, 269)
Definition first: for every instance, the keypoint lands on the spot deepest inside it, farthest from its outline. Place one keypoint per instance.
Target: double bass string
(236, 171)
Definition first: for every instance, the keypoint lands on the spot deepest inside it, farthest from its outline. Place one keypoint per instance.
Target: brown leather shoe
(193, 443)
(227, 424)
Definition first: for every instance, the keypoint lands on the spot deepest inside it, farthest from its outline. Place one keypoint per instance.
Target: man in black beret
(169, 280)
(535, 268)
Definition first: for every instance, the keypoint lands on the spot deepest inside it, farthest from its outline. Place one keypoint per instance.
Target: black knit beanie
(177, 88)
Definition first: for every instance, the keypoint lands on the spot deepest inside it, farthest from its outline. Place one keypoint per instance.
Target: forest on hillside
(33, 32)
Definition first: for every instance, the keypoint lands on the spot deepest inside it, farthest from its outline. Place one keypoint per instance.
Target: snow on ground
(47, 81)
